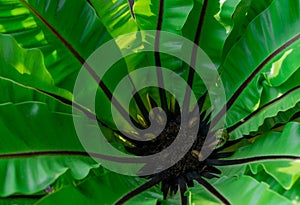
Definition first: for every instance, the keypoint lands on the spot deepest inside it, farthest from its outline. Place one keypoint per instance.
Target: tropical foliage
(254, 44)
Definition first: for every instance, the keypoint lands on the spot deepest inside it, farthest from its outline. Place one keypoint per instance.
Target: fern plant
(254, 46)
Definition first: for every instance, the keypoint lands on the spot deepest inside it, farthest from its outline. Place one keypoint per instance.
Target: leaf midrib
(252, 160)
(93, 155)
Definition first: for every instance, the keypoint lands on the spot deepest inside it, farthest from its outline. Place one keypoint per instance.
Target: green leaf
(104, 189)
(252, 192)
(201, 195)
(116, 16)
(203, 28)
(277, 153)
(173, 14)
(20, 200)
(66, 33)
(285, 104)
(281, 119)
(17, 93)
(168, 16)
(26, 67)
(292, 193)
(45, 147)
(254, 61)
(244, 13)
(225, 14)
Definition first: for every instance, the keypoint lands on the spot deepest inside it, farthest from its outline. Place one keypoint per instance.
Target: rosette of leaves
(254, 45)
